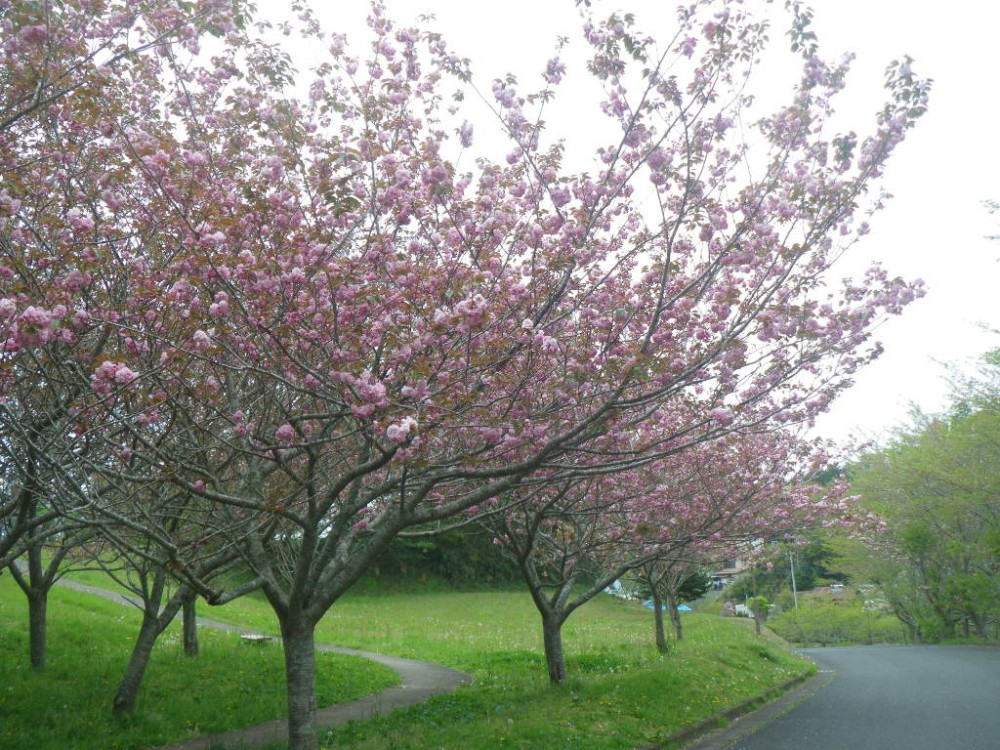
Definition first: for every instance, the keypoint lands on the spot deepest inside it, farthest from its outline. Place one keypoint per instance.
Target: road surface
(883, 698)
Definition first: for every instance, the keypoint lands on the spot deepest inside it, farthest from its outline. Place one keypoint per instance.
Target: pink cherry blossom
(201, 341)
(398, 433)
(721, 415)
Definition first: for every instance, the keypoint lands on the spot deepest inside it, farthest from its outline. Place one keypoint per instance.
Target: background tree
(572, 540)
(669, 582)
(57, 181)
(38, 569)
(935, 490)
(812, 551)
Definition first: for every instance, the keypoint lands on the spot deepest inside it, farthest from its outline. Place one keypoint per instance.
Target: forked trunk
(154, 622)
(33, 579)
(128, 688)
(300, 675)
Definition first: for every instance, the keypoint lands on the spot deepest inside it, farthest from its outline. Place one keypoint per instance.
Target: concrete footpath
(419, 681)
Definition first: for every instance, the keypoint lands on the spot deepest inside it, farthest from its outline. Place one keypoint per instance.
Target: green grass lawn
(621, 692)
(67, 706)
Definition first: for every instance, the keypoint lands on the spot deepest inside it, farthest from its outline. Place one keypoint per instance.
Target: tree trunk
(38, 599)
(300, 676)
(675, 616)
(190, 618)
(128, 688)
(756, 600)
(35, 582)
(555, 658)
(154, 622)
(979, 625)
(908, 620)
(661, 636)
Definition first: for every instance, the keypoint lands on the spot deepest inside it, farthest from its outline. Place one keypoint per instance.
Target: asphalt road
(882, 698)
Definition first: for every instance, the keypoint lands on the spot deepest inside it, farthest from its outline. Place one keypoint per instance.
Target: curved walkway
(419, 681)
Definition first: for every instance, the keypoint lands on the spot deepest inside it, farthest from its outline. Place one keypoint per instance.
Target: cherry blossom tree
(570, 542)
(315, 331)
(572, 538)
(664, 578)
(43, 551)
(728, 497)
(60, 273)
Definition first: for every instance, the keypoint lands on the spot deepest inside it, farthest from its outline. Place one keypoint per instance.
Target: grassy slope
(621, 693)
(67, 706)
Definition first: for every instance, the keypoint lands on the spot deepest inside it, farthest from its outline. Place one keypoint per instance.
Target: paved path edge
(723, 728)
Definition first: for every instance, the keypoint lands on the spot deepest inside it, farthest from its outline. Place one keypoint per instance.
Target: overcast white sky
(935, 227)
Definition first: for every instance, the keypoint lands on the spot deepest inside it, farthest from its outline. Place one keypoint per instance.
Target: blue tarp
(648, 604)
